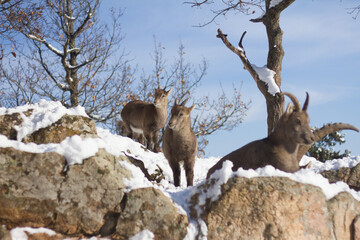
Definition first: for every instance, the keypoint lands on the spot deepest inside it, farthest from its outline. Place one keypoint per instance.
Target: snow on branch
(267, 75)
(48, 45)
(274, 3)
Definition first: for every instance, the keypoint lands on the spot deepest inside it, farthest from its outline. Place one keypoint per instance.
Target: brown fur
(180, 144)
(146, 118)
(280, 148)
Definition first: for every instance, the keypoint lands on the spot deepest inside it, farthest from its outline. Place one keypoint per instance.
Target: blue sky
(322, 56)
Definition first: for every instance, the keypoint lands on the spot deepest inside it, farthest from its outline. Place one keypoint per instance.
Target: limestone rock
(351, 176)
(29, 185)
(343, 211)
(4, 233)
(356, 228)
(8, 121)
(66, 126)
(89, 192)
(267, 208)
(149, 208)
(36, 192)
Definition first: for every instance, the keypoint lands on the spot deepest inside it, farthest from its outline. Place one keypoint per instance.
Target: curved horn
(176, 103)
(306, 103)
(183, 103)
(294, 100)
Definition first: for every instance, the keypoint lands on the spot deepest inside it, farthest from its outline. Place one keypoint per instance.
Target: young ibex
(179, 143)
(280, 148)
(146, 118)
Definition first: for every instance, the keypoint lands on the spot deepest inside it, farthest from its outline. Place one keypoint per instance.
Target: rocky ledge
(41, 189)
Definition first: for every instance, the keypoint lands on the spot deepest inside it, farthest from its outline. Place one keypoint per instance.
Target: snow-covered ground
(75, 149)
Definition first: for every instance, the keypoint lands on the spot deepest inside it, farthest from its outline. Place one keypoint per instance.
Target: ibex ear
(191, 108)
(289, 109)
(168, 92)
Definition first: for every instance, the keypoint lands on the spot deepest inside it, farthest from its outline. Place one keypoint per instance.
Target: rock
(29, 186)
(266, 208)
(36, 192)
(149, 208)
(4, 233)
(66, 126)
(89, 192)
(356, 228)
(343, 210)
(8, 121)
(351, 176)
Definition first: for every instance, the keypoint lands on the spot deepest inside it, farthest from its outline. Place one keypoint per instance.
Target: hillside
(37, 132)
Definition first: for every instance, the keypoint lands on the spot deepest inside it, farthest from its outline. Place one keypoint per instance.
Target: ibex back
(280, 148)
(180, 144)
(146, 118)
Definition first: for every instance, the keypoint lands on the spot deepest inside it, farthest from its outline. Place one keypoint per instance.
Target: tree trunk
(71, 74)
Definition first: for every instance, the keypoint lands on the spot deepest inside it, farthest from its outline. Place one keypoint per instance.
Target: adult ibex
(179, 143)
(280, 148)
(146, 118)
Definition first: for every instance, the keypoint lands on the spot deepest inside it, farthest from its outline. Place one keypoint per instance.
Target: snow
(44, 114)
(273, 3)
(266, 75)
(19, 232)
(75, 149)
(143, 235)
(51, 47)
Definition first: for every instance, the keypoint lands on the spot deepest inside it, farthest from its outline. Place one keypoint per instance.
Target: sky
(322, 57)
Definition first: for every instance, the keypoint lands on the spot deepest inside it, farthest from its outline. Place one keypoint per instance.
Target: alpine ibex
(146, 118)
(179, 143)
(280, 148)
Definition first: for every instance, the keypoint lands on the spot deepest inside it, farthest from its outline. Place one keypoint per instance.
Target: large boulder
(275, 208)
(29, 186)
(35, 191)
(351, 176)
(344, 212)
(90, 192)
(9, 121)
(266, 208)
(66, 126)
(149, 208)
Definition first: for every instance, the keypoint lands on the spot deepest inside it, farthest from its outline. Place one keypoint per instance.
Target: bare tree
(355, 11)
(270, 17)
(271, 20)
(75, 57)
(17, 83)
(212, 113)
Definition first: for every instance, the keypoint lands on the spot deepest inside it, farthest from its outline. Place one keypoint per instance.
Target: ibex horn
(294, 100)
(183, 103)
(306, 103)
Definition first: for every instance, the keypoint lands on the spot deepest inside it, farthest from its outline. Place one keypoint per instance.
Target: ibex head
(180, 116)
(161, 97)
(296, 121)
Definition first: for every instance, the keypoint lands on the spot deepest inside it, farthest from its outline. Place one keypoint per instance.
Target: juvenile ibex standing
(179, 143)
(146, 118)
(281, 147)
